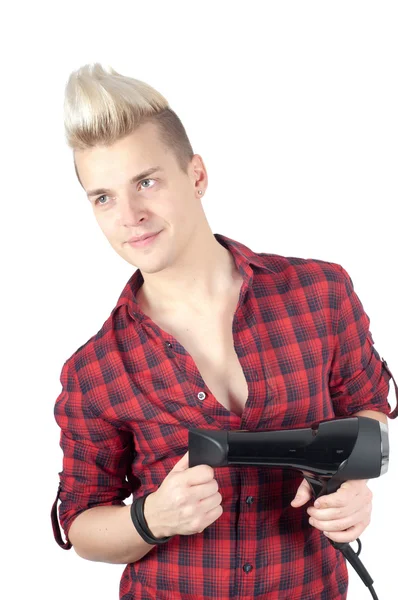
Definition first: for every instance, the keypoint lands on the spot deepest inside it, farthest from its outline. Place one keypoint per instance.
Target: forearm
(372, 414)
(107, 534)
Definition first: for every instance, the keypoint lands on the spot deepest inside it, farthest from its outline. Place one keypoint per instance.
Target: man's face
(164, 201)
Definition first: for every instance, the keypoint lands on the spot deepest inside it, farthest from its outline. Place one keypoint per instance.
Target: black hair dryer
(327, 454)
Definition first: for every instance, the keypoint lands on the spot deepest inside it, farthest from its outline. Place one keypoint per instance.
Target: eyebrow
(134, 179)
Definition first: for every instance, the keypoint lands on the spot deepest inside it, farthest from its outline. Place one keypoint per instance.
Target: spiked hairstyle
(102, 106)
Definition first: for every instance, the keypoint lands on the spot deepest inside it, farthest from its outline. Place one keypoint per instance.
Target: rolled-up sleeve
(359, 378)
(95, 454)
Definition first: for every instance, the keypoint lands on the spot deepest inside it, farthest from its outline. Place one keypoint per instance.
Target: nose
(131, 212)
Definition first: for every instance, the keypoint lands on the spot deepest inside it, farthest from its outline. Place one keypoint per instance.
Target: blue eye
(145, 187)
(96, 201)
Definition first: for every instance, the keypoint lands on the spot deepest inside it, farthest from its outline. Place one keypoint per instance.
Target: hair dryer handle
(322, 485)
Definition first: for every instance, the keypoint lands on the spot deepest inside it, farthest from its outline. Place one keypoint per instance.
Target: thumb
(303, 494)
(182, 464)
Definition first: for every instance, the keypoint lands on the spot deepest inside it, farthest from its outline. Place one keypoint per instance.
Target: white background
(293, 108)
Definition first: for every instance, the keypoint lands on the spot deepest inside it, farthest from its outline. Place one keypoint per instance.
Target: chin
(153, 266)
(146, 264)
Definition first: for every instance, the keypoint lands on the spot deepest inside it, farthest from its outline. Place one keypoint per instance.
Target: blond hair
(102, 106)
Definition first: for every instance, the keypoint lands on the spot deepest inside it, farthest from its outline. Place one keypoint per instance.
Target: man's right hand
(186, 502)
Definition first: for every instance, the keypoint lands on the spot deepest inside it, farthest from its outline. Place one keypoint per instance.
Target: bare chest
(212, 349)
(209, 341)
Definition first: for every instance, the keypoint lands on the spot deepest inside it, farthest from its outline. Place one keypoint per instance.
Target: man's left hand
(342, 516)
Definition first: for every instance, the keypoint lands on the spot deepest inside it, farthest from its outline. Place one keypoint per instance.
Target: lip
(143, 241)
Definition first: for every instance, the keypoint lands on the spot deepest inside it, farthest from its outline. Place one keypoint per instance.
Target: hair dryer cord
(355, 562)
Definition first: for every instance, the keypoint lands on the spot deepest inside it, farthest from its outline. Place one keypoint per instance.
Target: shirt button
(247, 567)
(201, 395)
(168, 344)
(250, 500)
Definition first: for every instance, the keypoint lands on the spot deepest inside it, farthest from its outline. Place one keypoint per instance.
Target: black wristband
(138, 518)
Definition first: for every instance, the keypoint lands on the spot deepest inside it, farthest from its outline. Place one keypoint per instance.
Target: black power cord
(356, 563)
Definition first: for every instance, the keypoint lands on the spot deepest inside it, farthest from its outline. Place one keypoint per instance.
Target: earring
(200, 192)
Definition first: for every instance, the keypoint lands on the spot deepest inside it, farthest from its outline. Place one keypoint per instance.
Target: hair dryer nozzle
(385, 448)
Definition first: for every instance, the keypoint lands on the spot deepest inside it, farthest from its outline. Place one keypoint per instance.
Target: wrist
(150, 514)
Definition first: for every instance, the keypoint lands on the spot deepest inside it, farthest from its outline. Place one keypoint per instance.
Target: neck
(200, 279)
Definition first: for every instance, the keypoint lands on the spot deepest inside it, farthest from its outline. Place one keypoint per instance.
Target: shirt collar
(244, 257)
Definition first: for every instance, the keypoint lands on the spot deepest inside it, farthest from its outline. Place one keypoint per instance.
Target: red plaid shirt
(132, 392)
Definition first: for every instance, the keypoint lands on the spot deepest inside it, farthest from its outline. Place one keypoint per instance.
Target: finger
(337, 514)
(348, 491)
(358, 503)
(355, 485)
(340, 524)
(300, 499)
(336, 500)
(303, 494)
(182, 463)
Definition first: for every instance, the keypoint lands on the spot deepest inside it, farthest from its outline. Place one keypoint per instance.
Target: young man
(206, 334)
